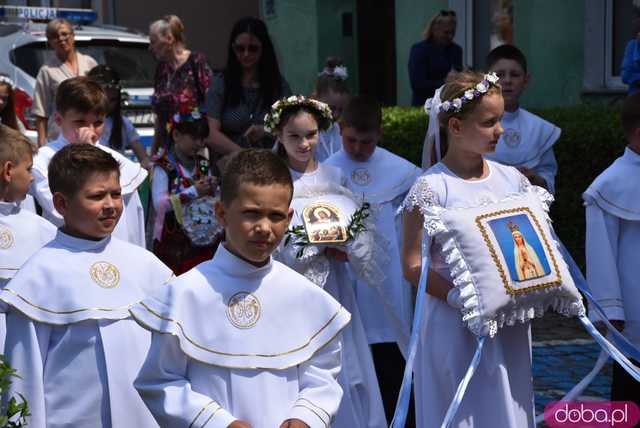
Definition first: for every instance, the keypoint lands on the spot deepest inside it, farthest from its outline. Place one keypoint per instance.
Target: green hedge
(591, 139)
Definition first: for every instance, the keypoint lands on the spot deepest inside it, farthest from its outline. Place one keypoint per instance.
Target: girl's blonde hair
(169, 24)
(455, 86)
(442, 17)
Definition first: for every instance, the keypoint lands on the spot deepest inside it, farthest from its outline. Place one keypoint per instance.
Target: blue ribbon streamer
(581, 284)
(402, 406)
(462, 386)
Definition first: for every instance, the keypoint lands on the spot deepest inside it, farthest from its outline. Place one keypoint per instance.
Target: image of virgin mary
(527, 262)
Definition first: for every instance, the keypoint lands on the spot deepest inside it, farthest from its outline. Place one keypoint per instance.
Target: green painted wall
(332, 40)
(412, 17)
(294, 31)
(551, 35)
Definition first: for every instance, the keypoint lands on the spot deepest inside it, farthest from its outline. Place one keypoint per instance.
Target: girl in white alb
(299, 121)
(500, 393)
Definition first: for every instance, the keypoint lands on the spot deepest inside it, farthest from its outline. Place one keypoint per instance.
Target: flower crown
(455, 105)
(338, 72)
(186, 114)
(6, 80)
(272, 119)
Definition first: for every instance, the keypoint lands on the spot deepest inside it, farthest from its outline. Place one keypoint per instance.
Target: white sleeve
(320, 393)
(602, 261)
(547, 169)
(26, 349)
(131, 134)
(160, 188)
(166, 390)
(41, 192)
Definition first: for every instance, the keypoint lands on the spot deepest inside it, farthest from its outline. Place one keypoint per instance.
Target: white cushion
(504, 259)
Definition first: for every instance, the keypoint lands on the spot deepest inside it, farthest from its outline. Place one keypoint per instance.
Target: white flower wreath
(456, 104)
(272, 119)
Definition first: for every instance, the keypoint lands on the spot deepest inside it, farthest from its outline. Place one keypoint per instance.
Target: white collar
(235, 266)
(7, 208)
(80, 244)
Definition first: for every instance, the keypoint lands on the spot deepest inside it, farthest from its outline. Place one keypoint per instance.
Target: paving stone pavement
(563, 354)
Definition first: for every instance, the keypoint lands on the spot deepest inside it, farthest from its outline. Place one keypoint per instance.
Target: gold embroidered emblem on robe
(511, 137)
(361, 176)
(105, 274)
(243, 310)
(6, 238)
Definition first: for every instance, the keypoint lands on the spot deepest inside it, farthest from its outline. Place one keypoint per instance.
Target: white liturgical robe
(528, 142)
(383, 179)
(235, 341)
(613, 242)
(130, 227)
(70, 335)
(329, 142)
(22, 233)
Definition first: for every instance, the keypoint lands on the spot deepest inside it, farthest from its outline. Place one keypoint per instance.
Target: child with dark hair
(331, 89)
(69, 331)
(118, 133)
(613, 232)
(296, 122)
(527, 142)
(81, 107)
(182, 189)
(249, 342)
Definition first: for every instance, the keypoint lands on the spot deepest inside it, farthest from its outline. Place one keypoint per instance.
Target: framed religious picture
(324, 223)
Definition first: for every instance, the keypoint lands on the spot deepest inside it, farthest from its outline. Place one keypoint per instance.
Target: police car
(23, 50)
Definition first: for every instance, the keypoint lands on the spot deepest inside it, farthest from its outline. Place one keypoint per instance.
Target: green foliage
(591, 140)
(16, 412)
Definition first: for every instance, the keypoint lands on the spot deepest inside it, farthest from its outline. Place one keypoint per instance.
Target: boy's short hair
(363, 113)
(72, 165)
(14, 146)
(506, 52)
(197, 129)
(81, 94)
(630, 114)
(252, 166)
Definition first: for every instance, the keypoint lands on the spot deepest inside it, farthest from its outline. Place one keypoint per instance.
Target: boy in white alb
(81, 105)
(242, 340)
(613, 242)
(527, 142)
(384, 179)
(69, 332)
(22, 232)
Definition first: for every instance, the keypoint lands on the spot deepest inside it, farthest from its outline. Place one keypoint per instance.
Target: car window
(133, 61)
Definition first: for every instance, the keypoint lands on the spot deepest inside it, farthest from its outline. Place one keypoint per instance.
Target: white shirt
(244, 342)
(130, 227)
(613, 241)
(70, 334)
(528, 142)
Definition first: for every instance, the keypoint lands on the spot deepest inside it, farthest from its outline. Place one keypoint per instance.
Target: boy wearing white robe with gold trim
(22, 232)
(81, 105)
(242, 340)
(527, 142)
(69, 332)
(613, 232)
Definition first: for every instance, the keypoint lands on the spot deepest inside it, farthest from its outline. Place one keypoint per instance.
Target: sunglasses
(447, 13)
(240, 49)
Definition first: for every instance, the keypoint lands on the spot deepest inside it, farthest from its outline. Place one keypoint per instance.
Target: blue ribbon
(402, 406)
(581, 284)
(462, 386)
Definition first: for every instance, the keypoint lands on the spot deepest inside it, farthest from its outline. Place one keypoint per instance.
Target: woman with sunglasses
(65, 64)
(434, 57)
(182, 76)
(239, 100)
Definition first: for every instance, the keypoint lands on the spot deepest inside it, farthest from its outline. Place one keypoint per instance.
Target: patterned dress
(186, 85)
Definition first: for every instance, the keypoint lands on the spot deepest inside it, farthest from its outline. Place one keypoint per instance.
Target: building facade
(574, 48)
